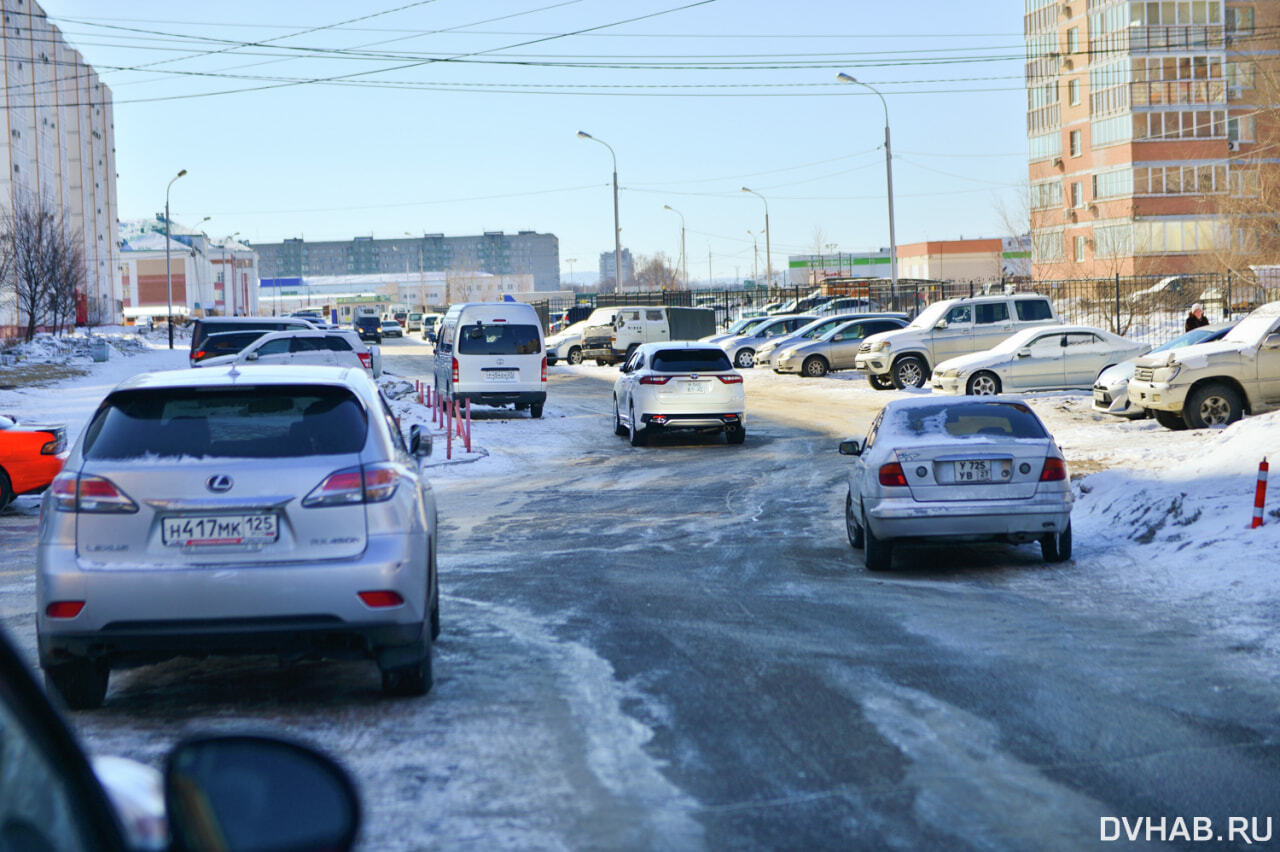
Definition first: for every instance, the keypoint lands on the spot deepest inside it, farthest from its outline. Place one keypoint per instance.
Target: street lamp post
(888, 174)
(168, 273)
(617, 229)
(684, 259)
(768, 251)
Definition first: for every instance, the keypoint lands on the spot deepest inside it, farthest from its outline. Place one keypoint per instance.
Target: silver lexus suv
(238, 510)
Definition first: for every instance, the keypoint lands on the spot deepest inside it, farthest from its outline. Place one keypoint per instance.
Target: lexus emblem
(218, 484)
(500, 361)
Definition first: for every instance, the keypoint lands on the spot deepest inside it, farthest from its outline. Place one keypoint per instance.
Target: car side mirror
(1272, 341)
(254, 792)
(1024, 352)
(419, 441)
(941, 324)
(252, 356)
(851, 447)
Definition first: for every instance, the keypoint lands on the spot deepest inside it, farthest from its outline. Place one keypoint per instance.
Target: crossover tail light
(352, 485)
(654, 380)
(381, 598)
(730, 380)
(90, 495)
(891, 474)
(64, 609)
(1055, 470)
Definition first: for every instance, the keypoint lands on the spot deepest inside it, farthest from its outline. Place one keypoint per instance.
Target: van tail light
(351, 485)
(64, 609)
(891, 474)
(366, 359)
(654, 380)
(1055, 470)
(455, 369)
(730, 379)
(544, 368)
(89, 495)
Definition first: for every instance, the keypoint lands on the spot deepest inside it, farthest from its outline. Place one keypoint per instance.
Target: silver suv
(276, 510)
(944, 330)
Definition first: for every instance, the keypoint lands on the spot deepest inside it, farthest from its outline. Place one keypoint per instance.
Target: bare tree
(33, 241)
(656, 272)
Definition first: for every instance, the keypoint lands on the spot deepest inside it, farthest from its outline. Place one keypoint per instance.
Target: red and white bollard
(1260, 496)
(448, 432)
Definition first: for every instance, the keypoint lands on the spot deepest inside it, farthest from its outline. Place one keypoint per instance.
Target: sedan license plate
(213, 530)
(499, 375)
(695, 387)
(973, 471)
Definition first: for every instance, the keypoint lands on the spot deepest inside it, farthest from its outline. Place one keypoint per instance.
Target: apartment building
(493, 252)
(57, 143)
(609, 270)
(1147, 125)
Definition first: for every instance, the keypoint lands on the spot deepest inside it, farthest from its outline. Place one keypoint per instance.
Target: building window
(1046, 194)
(1242, 129)
(1240, 20)
(1077, 194)
(1073, 92)
(1079, 249)
(1073, 40)
(1047, 246)
(1116, 184)
(1075, 143)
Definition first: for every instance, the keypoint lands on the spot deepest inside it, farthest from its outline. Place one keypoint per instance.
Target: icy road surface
(674, 647)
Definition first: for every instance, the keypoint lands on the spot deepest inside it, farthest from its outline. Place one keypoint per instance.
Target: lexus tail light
(371, 484)
(90, 495)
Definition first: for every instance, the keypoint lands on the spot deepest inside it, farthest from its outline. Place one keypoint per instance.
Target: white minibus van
(492, 353)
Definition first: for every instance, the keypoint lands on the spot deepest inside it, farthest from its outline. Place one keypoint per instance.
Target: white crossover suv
(672, 386)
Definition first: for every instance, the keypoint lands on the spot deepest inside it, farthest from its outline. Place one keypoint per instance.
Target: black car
(225, 343)
(369, 328)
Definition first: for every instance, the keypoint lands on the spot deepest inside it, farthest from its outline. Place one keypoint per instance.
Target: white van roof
(493, 311)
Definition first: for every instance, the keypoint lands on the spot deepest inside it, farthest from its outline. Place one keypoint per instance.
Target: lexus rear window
(690, 361)
(275, 421)
(969, 419)
(499, 339)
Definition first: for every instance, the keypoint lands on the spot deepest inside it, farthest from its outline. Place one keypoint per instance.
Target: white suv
(678, 386)
(945, 329)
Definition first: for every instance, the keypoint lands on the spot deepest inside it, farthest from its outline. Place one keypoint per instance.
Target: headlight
(1164, 375)
(880, 346)
(949, 373)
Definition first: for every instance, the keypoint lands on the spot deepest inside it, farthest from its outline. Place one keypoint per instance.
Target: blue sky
(486, 141)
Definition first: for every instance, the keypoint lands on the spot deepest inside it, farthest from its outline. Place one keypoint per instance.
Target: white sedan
(1054, 357)
(678, 387)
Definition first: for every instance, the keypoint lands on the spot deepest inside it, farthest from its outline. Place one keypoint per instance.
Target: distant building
(417, 291)
(984, 259)
(493, 252)
(58, 144)
(608, 271)
(814, 268)
(208, 278)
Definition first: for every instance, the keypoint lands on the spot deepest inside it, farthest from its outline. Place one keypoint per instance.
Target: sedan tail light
(891, 474)
(90, 495)
(730, 380)
(654, 380)
(1055, 470)
(57, 445)
(352, 485)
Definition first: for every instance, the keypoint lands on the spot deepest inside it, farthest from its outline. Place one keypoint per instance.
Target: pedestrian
(1196, 319)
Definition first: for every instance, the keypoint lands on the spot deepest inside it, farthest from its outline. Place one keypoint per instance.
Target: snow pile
(1197, 501)
(72, 349)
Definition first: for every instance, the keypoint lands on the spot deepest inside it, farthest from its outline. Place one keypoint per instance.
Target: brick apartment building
(1152, 134)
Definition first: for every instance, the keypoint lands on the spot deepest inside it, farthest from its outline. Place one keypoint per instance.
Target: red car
(30, 457)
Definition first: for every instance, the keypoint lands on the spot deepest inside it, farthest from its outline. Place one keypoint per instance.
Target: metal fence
(1151, 309)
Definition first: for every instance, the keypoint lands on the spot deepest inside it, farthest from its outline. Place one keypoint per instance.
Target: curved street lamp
(168, 273)
(617, 229)
(684, 259)
(888, 174)
(768, 252)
